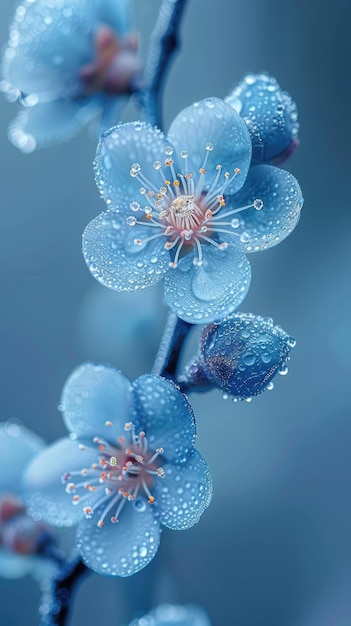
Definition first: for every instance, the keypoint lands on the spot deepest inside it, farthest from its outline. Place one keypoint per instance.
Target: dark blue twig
(57, 593)
(163, 45)
(167, 359)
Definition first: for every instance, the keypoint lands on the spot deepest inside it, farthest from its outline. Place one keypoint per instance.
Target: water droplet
(184, 154)
(131, 221)
(140, 505)
(209, 146)
(249, 358)
(135, 169)
(157, 165)
(169, 150)
(258, 204)
(209, 103)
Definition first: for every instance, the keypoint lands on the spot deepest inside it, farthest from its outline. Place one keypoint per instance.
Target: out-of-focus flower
(240, 355)
(20, 536)
(270, 115)
(188, 211)
(128, 467)
(174, 615)
(68, 61)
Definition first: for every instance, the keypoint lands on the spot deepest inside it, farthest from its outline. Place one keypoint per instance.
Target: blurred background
(274, 548)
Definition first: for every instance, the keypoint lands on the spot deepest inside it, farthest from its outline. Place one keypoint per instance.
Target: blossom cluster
(187, 208)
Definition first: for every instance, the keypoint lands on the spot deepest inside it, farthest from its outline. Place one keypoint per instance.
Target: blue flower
(270, 115)
(240, 355)
(187, 209)
(68, 61)
(128, 467)
(174, 615)
(18, 534)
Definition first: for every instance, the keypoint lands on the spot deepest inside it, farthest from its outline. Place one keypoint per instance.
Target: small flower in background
(240, 355)
(174, 615)
(21, 538)
(68, 61)
(270, 115)
(128, 468)
(187, 209)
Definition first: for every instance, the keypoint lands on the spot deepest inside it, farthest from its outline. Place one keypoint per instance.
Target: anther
(258, 204)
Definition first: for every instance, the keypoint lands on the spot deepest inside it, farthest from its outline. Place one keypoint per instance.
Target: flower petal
(115, 14)
(18, 445)
(282, 202)
(203, 294)
(213, 121)
(165, 415)
(48, 123)
(174, 615)
(44, 491)
(184, 493)
(124, 548)
(113, 258)
(93, 396)
(121, 147)
(14, 565)
(52, 42)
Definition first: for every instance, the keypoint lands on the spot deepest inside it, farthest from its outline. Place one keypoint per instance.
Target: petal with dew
(18, 445)
(184, 493)
(282, 200)
(96, 401)
(44, 490)
(116, 261)
(123, 548)
(50, 122)
(165, 415)
(215, 124)
(203, 294)
(53, 40)
(120, 148)
(14, 565)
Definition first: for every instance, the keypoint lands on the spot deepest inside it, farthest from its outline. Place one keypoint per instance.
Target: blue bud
(270, 115)
(242, 354)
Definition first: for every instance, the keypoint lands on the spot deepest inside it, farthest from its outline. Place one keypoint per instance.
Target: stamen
(233, 211)
(174, 264)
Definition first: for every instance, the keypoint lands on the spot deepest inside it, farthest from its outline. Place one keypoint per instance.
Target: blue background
(274, 548)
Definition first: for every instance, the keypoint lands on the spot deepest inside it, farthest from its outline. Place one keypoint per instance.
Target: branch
(175, 333)
(163, 45)
(57, 593)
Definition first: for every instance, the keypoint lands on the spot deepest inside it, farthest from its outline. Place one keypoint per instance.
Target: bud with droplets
(240, 355)
(270, 115)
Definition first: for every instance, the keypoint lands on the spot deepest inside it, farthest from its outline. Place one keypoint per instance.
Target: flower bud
(242, 354)
(270, 115)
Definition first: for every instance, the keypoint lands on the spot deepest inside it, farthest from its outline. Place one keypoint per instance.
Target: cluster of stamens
(182, 211)
(120, 473)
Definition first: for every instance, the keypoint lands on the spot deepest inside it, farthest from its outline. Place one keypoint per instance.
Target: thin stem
(164, 43)
(175, 333)
(57, 593)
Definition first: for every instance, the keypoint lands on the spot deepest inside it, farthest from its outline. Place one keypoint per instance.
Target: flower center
(183, 206)
(114, 66)
(122, 472)
(183, 211)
